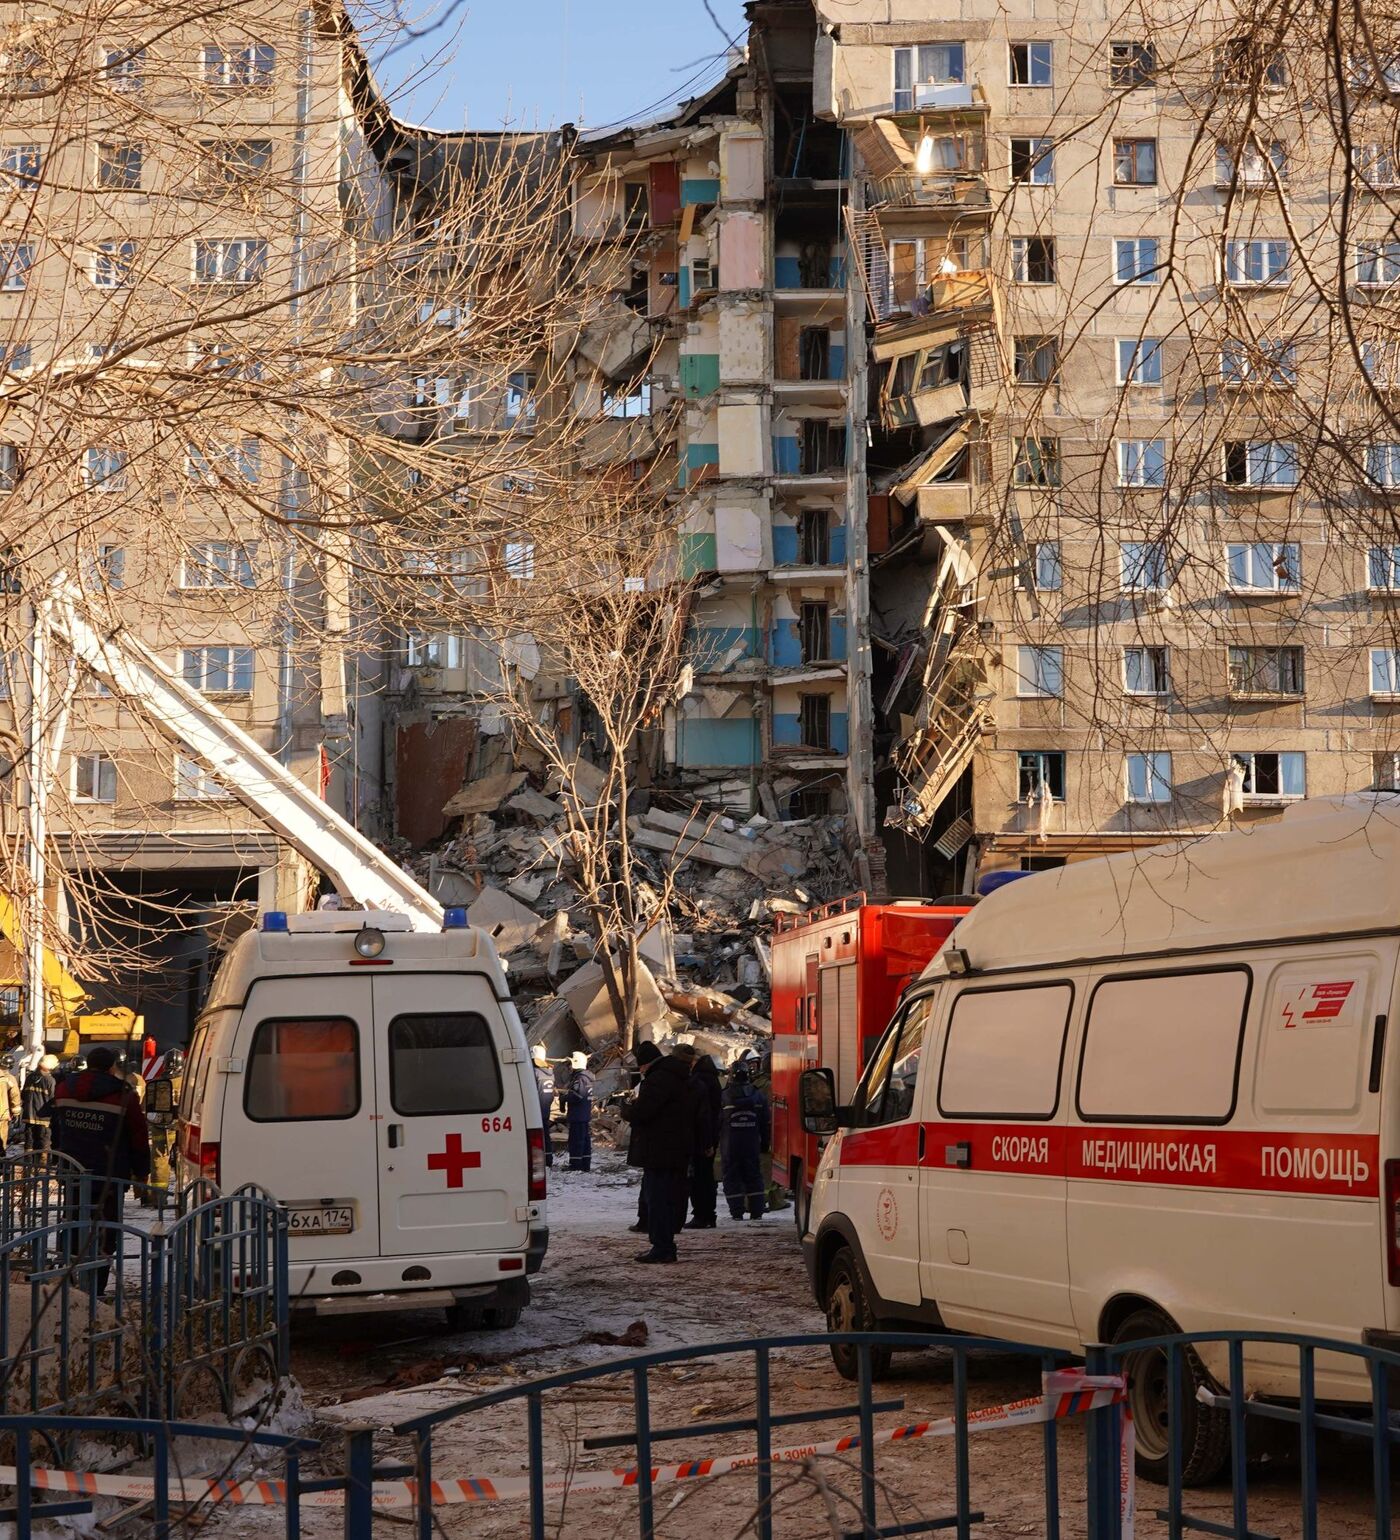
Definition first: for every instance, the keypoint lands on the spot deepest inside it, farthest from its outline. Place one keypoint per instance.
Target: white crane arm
(359, 870)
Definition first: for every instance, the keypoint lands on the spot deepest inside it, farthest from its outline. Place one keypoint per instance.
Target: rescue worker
(707, 1096)
(745, 1135)
(36, 1095)
(162, 1125)
(646, 1055)
(662, 1117)
(97, 1121)
(578, 1108)
(544, 1081)
(11, 1110)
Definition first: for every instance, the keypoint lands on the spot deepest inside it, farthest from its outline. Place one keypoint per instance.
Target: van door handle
(959, 1154)
(921, 1144)
(1373, 1080)
(395, 1135)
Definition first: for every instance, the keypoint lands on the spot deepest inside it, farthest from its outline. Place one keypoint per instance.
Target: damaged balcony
(810, 361)
(940, 483)
(930, 160)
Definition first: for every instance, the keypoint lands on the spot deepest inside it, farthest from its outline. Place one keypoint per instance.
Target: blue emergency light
(454, 919)
(275, 920)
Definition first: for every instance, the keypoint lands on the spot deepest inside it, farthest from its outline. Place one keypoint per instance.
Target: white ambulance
(1139, 1095)
(375, 1079)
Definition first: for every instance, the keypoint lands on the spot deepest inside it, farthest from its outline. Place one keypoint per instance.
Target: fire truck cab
(838, 973)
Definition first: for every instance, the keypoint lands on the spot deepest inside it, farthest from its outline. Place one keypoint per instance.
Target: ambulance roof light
(275, 920)
(454, 919)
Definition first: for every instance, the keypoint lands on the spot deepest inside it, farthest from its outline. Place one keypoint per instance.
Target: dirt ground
(594, 1304)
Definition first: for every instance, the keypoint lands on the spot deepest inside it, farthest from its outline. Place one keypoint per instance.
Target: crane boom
(359, 870)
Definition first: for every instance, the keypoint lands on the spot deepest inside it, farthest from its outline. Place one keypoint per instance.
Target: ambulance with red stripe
(1136, 1095)
(376, 1080)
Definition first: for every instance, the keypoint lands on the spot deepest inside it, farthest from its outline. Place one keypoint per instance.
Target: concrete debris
(510, 924)
(586, 995)
(483, 796)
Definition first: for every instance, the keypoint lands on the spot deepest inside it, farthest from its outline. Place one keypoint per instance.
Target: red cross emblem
(454, 1160)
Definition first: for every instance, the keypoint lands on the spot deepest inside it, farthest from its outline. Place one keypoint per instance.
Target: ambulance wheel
(1205, 1430)
(848, 1309)
(465, 1317)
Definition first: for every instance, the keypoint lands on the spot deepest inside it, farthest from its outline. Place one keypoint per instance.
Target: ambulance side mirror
(160, 1096)
(816, 1095)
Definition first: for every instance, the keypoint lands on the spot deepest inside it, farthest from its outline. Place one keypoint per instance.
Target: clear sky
(531, 63)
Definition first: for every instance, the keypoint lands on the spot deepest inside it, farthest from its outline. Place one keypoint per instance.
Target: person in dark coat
(706, 1093)
(36, 1095)
(745, 1137)
(646, 1055)
(96, 1119)
(544, 1083)
(663, 1119)
(578, 1108)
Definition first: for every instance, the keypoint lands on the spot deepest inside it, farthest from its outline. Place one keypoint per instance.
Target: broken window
(1245, 61)
(633, 402)
(637, 205)
(1033, 161)
(813, 537)
(1046, 569)
(1033, 258)
(1135, 162)
(94, 778)
(1036, 769)
(1274, 776)
(119, 166)
(1031, 64)
(814, 265)
(1131, 63)
(1266, 670)
(1261, 463)
(1037, 360)
(1146, 671)
(810, 802)
(814, 630)
(814, 353)
(1251, 165)
(822, 447)
(104, 468)
(441, 649)
(1037, 462)
(814, 721)
(1143, 566)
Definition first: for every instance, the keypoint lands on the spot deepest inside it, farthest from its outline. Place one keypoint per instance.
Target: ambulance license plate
(316, 1219)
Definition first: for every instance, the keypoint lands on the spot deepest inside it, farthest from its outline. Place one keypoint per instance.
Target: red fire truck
(838, 973)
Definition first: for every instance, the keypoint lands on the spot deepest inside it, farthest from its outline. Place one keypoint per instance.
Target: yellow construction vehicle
(68, 1027)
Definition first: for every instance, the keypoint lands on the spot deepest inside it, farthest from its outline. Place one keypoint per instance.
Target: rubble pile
(707, 964)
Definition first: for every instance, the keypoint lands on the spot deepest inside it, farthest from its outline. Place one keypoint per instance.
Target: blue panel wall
(786, 458)
(708, 644)
(784, 543)
(838, 545)
(699, 189)
(787, 731)
(837, 371)
(717, 741)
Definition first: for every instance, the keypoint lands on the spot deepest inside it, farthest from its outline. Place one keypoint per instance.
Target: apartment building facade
(1128, 465)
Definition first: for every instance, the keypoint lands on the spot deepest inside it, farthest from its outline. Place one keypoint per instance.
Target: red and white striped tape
(1065, 1393)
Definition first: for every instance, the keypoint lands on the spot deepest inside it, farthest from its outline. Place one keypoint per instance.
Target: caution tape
(1064, 1393)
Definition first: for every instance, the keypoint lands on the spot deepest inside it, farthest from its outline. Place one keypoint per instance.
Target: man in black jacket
(705, 1092)
(663, 1139)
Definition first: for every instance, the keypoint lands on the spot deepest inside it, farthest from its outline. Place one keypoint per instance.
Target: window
(1146, 671)
(210, 355)
(22, 72)
(1383, 465)
(238, 67)
(193, 783)
(119, 166)
(232, 261)
(1139, 360)
(1149, 777)
(1142, 462)
(94, 778)
(1251, 164)
(1385, 671)
(1037, 360)
(1163, 1048)
(1047, 573)
(218, 564)
(520, 399)
(1040, 671)
(305, 1070)
(9, 467)
(1251, 264)
(1244, 61)
(15, 261)
(1031, 64)
(1385, 771)
(104, 468)
(216, 463)
(1362, 72)
(218, 670)
(1131, 63)
(635, 402)
(1033, 161)
(1033, 259)
(1260, 463)
(440, 649)
(107, 568)
(1273, 777)
(123, 69)
(813, 537)
(1004, 1052)
(1263, 362)
(1265, 670)
(520, 560)
(1143, 566)
(1135, 162)
(930, 64)
(1380, 363)
(1383, 568)
(112, 263)
(886, 1090)
(1135, 260)
(234, 162)
(814, 630)
(1039, 772)
(21, 164)
(443, 1064)
(814, 721)
(1037, 462)
(1376, 164)
(1265, 567)
(15, 356)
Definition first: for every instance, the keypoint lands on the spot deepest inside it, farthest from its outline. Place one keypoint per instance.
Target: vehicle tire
(1205, 1431)
(464, 1317)
(848, 1309)
(502, 1317)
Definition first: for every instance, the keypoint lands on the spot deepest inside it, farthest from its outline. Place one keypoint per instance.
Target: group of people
(681, 1117)
(577, 1097)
